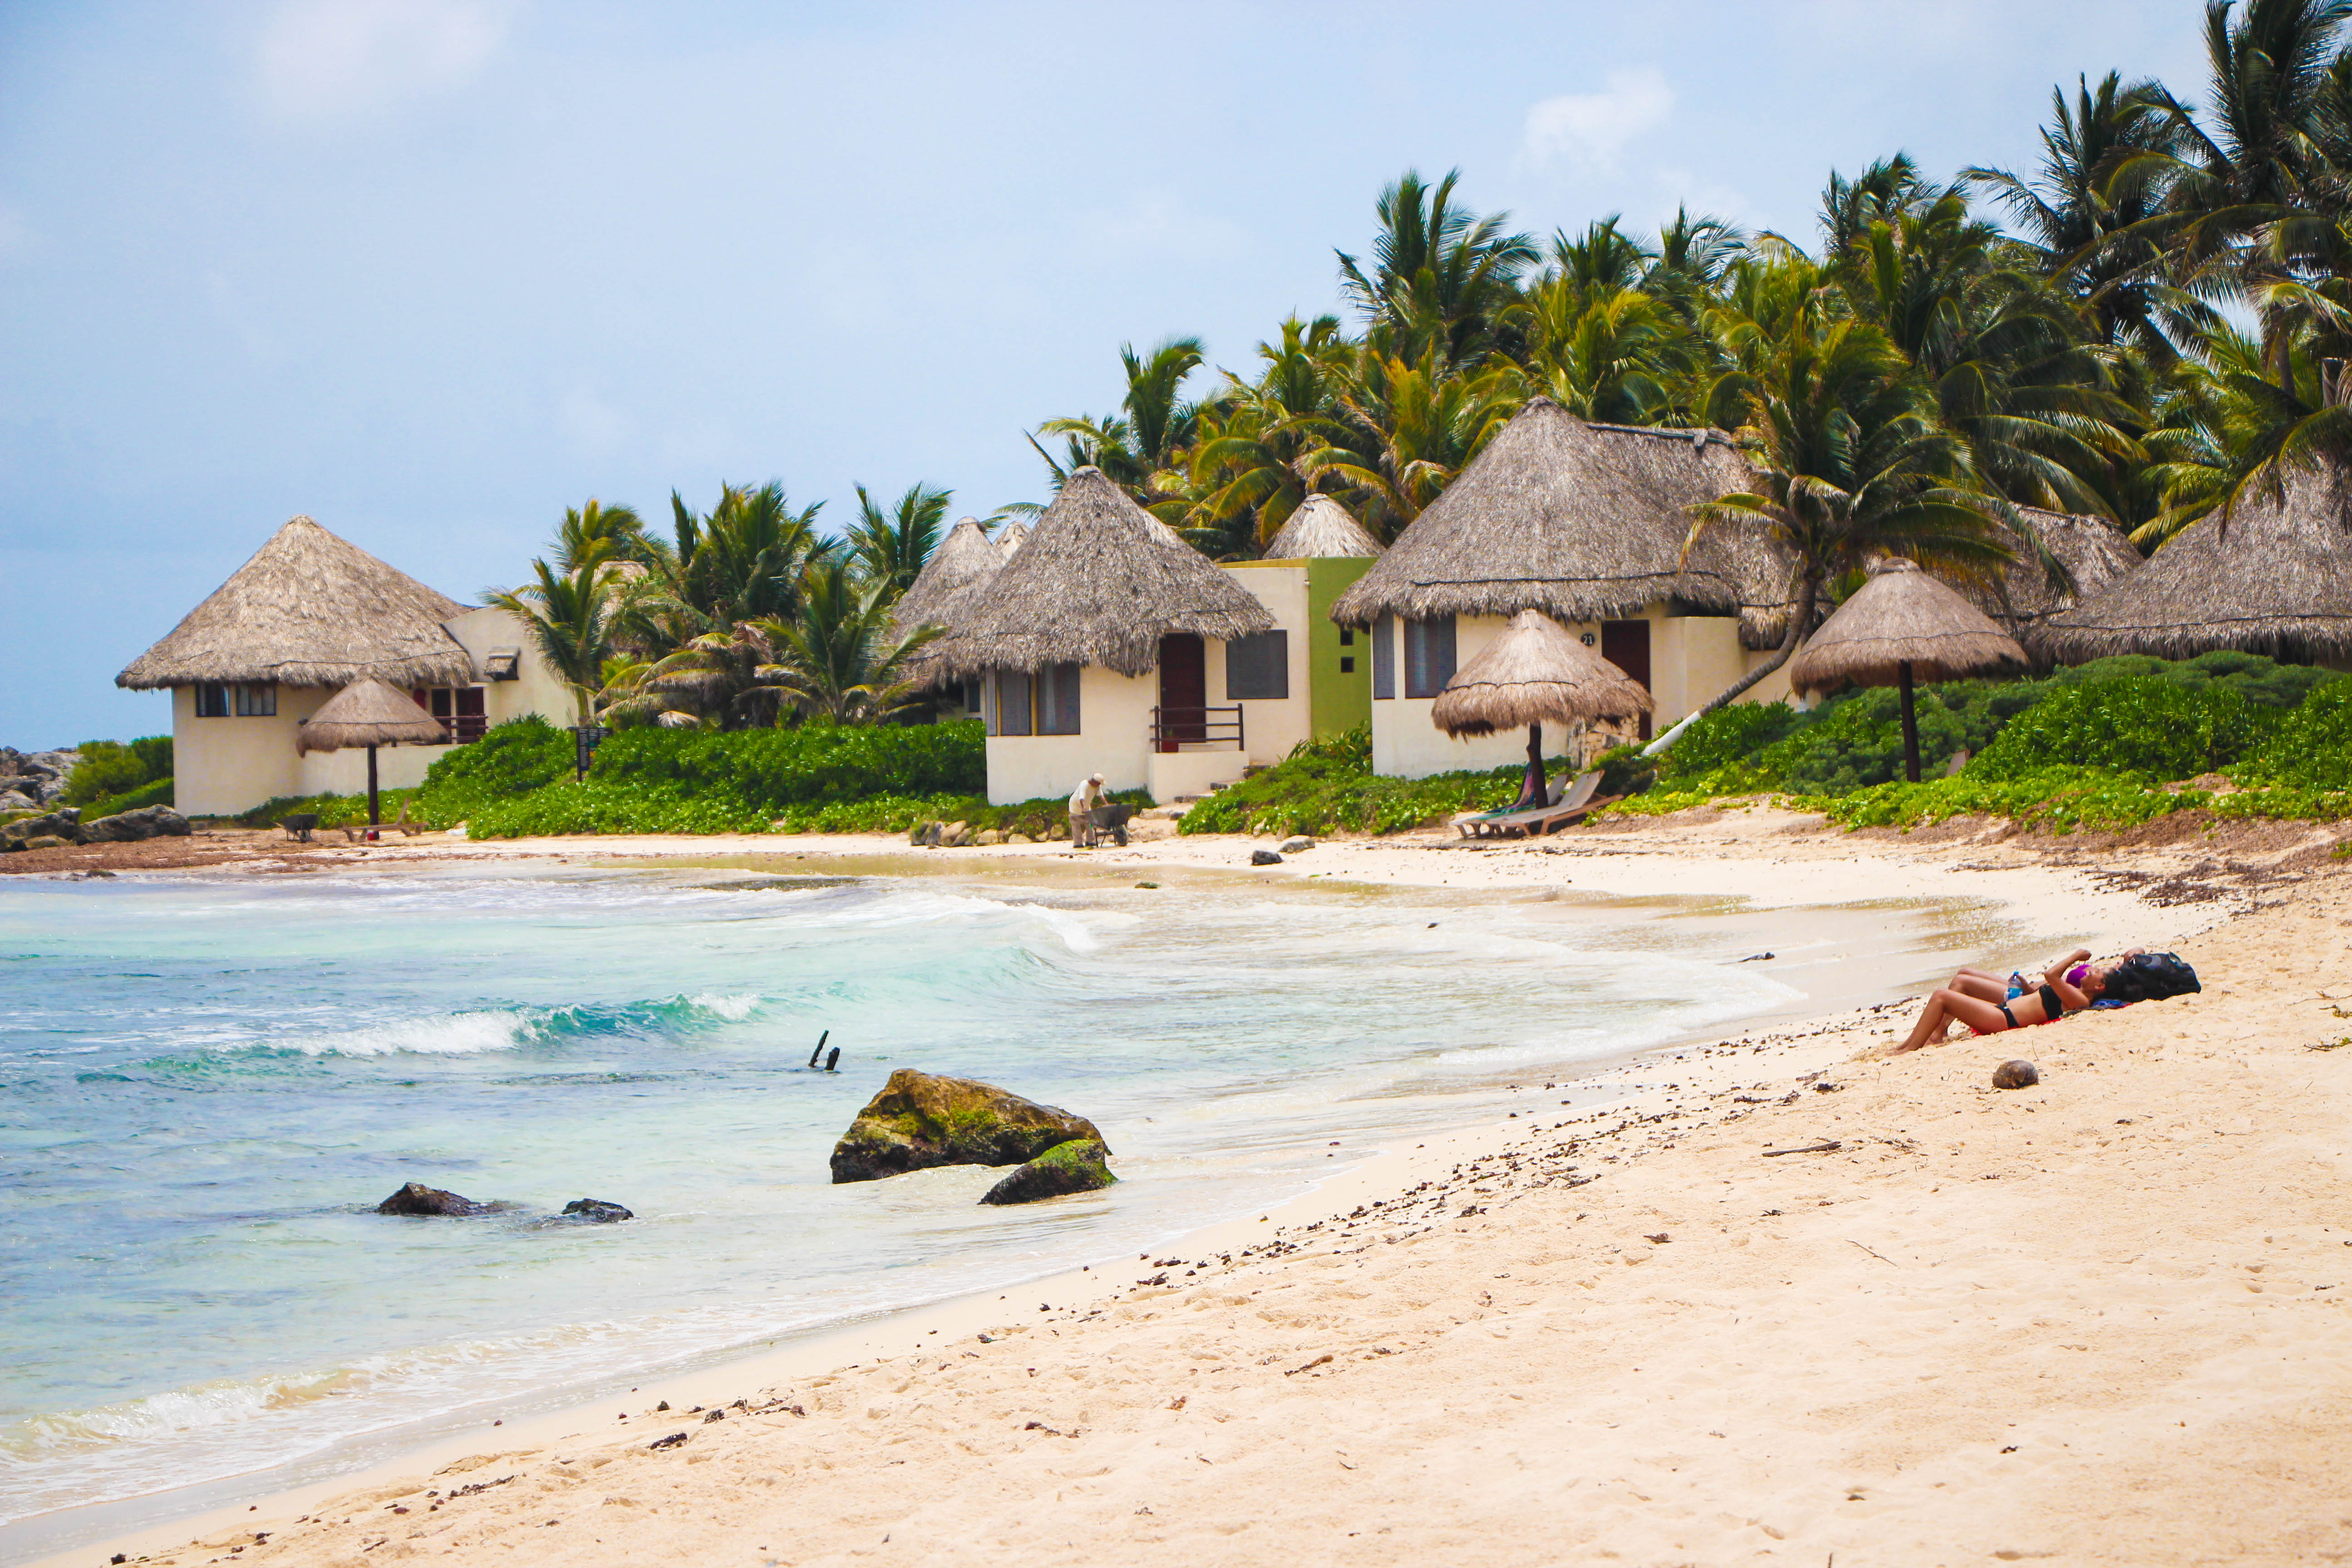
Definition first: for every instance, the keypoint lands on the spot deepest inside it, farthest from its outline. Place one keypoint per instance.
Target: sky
(432, 270)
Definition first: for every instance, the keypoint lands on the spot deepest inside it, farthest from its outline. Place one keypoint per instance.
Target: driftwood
(1826, 1146)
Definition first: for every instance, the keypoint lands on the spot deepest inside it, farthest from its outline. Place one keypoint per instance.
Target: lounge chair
(410, 829)
(1538, 821)
(1577, 800)
(1466, 823)
(299, 825)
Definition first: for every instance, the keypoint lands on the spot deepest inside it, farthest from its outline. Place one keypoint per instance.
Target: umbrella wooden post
(1532, 791)
(1910, 724)
(375, 812)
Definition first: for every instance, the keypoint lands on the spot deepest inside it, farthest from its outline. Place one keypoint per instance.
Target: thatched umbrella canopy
(369, 713)
(1582, 521)
(1320, 529)
(311, 609)
(1012, 536)
(1538, 671)
(1100, 582)
(1902, 625)
(2278, 581)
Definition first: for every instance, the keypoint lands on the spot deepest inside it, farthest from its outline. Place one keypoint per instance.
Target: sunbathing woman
(1992, 987)
(1961, 1002)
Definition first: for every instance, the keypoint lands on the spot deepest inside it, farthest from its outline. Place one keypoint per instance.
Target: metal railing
(463, 726)
(1202, 728)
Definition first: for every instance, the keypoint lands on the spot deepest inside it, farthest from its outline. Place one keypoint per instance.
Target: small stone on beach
(2016, 1073)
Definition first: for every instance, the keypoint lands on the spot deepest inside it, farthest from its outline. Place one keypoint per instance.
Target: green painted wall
(1337, 702)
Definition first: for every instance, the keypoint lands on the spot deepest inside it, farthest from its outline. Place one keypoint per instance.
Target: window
(1045, 703)
(1384, 656)
(1428, 655)
(1347, 666)
(459, 709)
(239, 699)
(1347, 637)
(1257, 668)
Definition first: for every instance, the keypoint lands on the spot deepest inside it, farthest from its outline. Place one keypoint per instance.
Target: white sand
(2100, 1321)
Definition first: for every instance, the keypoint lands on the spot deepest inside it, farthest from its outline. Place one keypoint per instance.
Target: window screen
(212, 701)
(1012, 704)
(1384, 656)
(1057, 699)
(1257, 668)
(1428, 655)
(256, 700)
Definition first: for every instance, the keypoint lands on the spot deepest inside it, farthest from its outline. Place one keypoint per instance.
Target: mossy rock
(1077, 1166)
(920, 1119)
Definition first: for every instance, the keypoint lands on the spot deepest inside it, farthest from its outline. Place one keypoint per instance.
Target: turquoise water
(207, 1084)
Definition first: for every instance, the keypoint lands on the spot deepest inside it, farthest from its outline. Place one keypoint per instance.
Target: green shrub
(1729, 734)
(332, 810)
(2154, 727)
(158, 793)
(768, 770)
(509, 761)
(1329, 787)
(111, 768)
(2311, 746)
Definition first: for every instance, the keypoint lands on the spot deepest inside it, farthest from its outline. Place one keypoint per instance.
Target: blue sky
(431, 270)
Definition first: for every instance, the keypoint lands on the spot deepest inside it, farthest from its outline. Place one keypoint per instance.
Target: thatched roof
(2094, 551)
(311, 609)
(1098, 582)
(1536, 671)
(1320, 529)
(369, 713)
(1012, 536)
(1582, 521)
(965, 562)
(2279, 581)
(1902, 615)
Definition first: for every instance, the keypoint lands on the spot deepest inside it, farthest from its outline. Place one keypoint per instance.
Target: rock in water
(920, 1119)
(129, 827)
(2016, 1074)
(596, 1211)
(1264, 857)
(1076, 1166)
(419, 1199)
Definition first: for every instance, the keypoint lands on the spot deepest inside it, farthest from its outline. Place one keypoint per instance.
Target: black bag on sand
(2151, 977)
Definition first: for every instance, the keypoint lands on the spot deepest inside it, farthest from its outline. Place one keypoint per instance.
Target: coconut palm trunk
(1799, 622)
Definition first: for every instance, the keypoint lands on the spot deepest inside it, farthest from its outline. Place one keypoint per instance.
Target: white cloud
(1588, 132)
(331, 59)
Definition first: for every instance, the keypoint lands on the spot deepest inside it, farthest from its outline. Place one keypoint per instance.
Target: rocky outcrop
(595, 1211)
(921, 1120)
(63, 823)
(416, 1198)
(1264, 857)
(1077, 1167)
(130, 826)
(40, 777)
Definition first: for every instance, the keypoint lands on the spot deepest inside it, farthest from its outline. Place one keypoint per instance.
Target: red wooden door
(1184, 691)
(1626, 645)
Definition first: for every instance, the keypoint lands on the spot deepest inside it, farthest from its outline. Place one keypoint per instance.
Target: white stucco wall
(1114, 739)
(1272, 727)
(534, 690)
(222, 766)
(1692, 657)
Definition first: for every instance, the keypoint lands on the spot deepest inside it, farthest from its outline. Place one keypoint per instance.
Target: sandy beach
(2094, 1321)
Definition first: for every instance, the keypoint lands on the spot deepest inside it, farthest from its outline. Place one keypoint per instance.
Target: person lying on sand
(1987, 1005)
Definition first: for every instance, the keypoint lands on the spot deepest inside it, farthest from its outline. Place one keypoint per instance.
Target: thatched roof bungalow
(1589, 524)
(311, 614)
(1100, 643)
(2277, 580)
(1321, 529)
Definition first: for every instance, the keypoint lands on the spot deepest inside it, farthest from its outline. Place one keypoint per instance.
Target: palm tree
(1249, 465)
(892, 546)
(1143, 447)
(839, 659)
(569, 617)
(1441, 276)
(1614, 356)
(1850, 465)
(1422, 425)
(600, 532)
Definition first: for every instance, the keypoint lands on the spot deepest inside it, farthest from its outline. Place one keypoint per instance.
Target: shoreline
(1661, 869)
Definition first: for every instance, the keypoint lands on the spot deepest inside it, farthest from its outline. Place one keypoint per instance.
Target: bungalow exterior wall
(224, 766)
(1692, 657)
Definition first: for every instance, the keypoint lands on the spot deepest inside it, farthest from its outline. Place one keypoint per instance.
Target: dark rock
(416, 1198)
(1076, 1166)
(596, 1211)
(1264, 857)
(63, 823)
(920, 1119)
(129, 827)
(45, 841)
(1295, 845)
(2016, 1074)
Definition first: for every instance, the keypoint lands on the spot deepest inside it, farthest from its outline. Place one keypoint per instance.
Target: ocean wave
(481, 1031)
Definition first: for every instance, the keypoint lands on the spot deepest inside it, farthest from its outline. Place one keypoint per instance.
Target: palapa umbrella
(369, 713)
(1902, 625)
(1537, 669)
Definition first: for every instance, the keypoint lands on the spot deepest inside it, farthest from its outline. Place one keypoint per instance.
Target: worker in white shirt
(1082, 801)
